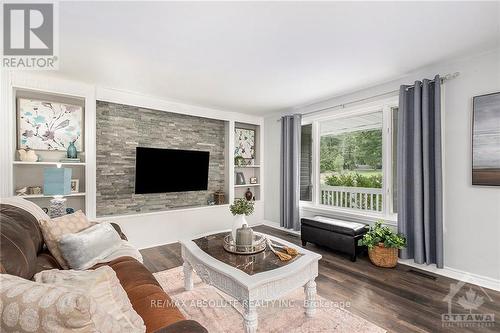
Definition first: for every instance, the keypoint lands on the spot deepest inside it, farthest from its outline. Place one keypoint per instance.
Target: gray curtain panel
(290, 171)
(420, 188)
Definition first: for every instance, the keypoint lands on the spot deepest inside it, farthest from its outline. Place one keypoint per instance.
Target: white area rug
(220, 313)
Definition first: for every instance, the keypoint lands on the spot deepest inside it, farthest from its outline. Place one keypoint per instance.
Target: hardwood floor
(403, 299)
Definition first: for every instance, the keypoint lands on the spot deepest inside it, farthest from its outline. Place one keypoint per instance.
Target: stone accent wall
(122, 128)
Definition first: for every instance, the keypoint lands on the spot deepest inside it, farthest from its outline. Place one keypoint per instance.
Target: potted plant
(240, 208)
(383, 245)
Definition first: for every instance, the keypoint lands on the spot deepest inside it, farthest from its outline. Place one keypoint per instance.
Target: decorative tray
(259, 245)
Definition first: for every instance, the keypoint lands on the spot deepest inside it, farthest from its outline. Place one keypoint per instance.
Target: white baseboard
(453, 273)
(456, 274)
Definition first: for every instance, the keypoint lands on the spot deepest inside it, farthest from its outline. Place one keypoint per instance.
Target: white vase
(238, 222)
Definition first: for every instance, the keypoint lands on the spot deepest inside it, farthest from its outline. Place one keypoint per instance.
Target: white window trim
(384, 105)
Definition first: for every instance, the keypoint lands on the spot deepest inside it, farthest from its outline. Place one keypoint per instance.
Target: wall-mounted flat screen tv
(170, 170)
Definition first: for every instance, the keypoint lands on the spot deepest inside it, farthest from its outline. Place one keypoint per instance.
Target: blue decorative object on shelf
(57, 181)
(72, 150)
(70, 210)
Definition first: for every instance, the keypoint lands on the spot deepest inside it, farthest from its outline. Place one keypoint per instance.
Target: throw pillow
(28, 306)
(104, 287)
(54, 229)
(86, 248)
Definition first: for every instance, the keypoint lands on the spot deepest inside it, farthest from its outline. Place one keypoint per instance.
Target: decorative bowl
(259, 244)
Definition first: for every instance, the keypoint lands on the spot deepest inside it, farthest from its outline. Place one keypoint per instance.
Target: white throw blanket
(126, 250)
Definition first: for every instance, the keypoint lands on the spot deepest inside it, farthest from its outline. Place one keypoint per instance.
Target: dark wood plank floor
(400, 300)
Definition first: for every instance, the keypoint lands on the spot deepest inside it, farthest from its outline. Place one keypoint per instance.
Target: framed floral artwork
(244, 144)
(46, 125)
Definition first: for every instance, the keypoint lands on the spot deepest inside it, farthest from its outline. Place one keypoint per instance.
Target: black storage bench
(335, 234)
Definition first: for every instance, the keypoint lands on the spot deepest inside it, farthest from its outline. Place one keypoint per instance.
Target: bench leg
(353, 250)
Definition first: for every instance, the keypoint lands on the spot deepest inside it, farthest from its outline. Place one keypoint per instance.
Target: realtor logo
(470, 301)
(29, 36)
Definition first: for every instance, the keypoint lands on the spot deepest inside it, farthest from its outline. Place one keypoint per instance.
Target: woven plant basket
(382, 256)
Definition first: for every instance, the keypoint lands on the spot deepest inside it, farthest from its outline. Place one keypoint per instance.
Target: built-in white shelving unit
(251, 170)
(31, 174)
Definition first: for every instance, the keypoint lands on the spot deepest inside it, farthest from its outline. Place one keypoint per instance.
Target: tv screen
(170, 170)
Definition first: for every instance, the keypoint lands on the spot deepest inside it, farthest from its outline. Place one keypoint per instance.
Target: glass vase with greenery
(240, 208)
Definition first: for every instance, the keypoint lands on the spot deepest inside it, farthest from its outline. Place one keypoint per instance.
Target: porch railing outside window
(361, 198)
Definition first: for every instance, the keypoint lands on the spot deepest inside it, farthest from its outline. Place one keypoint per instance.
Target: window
(355, 169)
(351, 162)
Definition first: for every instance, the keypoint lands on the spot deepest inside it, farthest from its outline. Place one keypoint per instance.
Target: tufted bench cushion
(334, 225)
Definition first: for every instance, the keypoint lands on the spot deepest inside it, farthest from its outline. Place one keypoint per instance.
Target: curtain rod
(443, 79)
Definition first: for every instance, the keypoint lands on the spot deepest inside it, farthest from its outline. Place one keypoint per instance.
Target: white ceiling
(261, 57)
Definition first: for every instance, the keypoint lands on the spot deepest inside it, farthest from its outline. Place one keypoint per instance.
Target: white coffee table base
(250, 290)
(250, 318)
(188, 276)
(310, 303)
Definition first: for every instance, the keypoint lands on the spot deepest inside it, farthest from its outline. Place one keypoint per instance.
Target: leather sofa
(22, 253)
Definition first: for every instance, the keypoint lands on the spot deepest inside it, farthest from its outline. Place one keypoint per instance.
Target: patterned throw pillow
(104, 287)
(27, 306)
(54, 229)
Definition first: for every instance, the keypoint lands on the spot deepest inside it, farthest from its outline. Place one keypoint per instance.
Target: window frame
(385, 106)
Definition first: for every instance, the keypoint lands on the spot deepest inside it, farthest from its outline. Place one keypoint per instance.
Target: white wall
(472, 213)
(272, 129)
(151, 229)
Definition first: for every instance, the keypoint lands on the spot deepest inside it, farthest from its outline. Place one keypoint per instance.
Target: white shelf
(35, 196)
(246, 185)
(48, 163)
(246, 166)
(245, 199)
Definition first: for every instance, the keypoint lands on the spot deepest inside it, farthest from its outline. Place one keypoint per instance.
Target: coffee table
(250, 279)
